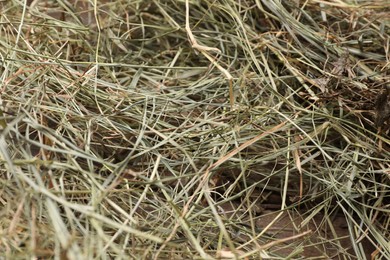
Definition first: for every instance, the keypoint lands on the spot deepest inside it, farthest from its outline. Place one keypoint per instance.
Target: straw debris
(195, 129)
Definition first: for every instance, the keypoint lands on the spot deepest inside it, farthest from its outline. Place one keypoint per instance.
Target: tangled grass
(195, 129)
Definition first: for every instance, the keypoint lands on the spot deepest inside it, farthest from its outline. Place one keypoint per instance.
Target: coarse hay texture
(195, 129)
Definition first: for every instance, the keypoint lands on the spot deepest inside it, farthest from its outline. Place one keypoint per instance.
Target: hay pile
(195, 129)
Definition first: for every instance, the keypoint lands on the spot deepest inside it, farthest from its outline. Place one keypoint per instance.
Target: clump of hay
(168, 129)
